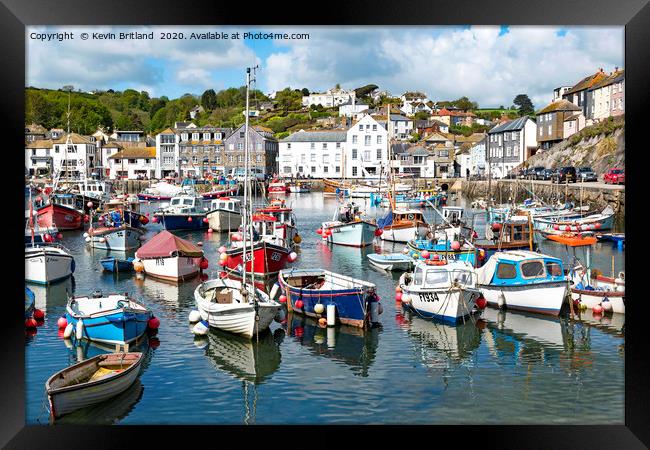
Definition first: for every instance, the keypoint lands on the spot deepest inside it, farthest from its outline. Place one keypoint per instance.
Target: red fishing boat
(278, 187)
(61, 213)
(220, 193)
(285, 226)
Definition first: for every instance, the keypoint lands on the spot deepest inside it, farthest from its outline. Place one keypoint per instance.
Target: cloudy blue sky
(489, 64)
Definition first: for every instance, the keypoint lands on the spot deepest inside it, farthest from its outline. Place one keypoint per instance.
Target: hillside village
(339, 133)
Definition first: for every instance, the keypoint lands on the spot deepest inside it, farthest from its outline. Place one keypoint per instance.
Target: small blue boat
(112, 264)
(185, 212)
(30, 301)
(112, 319)
(311, 291)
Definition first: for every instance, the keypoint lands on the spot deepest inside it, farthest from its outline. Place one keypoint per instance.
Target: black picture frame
(633, 14)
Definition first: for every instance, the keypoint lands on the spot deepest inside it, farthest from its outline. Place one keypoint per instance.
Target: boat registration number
(275, 256)
(429, 296)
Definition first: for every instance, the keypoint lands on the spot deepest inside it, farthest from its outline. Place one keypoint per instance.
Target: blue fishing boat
(112, 319)
(185, 212)
(436, 249)
(112, 264)
(312, 291)
(30, 301)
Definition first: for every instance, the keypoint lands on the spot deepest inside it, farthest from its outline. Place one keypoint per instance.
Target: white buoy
(331, 315)
(86, 235)
(88, 239)
(274, 291)
(80, 329)
(201, 328)
(319, 308)
(195, 316)
(331, 337)
(501, 300)
(68, 331)
(607, 305)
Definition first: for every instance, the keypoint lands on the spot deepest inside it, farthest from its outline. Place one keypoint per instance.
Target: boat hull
(153, 198)
(173, 268)
(117, 265)
(224, 220)
(269, 259)
(180, 221)
(448, 305)
(403, 233)
(396, 261)
(542, 298)
(119, 239)
(120, 327)
(43, 266)
(60, 216)
(353, 234)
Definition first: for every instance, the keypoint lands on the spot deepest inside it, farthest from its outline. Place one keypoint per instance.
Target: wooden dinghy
(91, 381)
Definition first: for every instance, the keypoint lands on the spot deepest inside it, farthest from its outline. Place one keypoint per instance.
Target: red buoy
(496, 226)
(319, 231)
(298, 331)
(398, 297)
(203, 264)
(206, 220)
(86, 218)
(299, 304)
(59, 236)
(567, 228)
(282, 299)
(62, 322)
(30, 323)
(597, 309)
(598, 225)
(38, 314)
(455, 246)
(189, 219)
(379, 232)
(47, 238)
(556, 227)
(481, 303)
(153, 323)
(154, 219)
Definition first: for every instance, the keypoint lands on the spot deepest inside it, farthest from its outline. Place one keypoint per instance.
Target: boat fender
(68, 331)
(331, 315)
(201, 328)
(195, 316)
(319, 308)
(501, 300)
(72, 266)
(607, 305)
(274, 290)
(79, 329)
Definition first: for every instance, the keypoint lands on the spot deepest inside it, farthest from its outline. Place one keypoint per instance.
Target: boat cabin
(442, 274)
(515, 231)
(186, 204)
(226, 204)
(453, 214)
(94, 188)
(410, 215)
(520, 268)
(264, 224)
(281, 214)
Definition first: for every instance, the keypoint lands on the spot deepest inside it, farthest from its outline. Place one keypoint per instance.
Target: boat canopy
(164, 244)
(520, 267)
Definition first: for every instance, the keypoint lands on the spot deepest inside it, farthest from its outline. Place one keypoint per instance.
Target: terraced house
(510, 144)
(263, 150)
(318, 154)
(581, 96)
(551, 122)
(133, 163)
(608, 95)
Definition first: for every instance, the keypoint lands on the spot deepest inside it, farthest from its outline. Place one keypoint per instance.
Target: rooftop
(511, 125)
(316, 136)
(134, 153)
(559, 105)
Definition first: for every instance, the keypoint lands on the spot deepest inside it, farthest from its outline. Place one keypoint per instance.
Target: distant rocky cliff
(601, 147)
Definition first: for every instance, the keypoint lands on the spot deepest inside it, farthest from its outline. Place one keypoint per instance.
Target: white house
(333, 97)
(477, 158)
(414, 160)
(316, 153)
(510, 144)
(77, 163)
(412, 108)
(400, 127)
(352, 109)
(366, 149)
(38, 157)
(132, 163)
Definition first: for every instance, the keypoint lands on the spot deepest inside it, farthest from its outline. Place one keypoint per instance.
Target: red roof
(164, 244)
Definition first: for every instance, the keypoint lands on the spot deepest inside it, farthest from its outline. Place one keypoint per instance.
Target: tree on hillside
(364, 91)
(209, 100)
(289, 100)
(524, 105)
(464, 103)
(422, 115)
(304, 91)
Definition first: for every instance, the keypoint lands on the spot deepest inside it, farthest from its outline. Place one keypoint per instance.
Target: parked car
(535, 172)
(522, 174)
(586, 174)
(545, 174)
(564, 175)
(614, 176)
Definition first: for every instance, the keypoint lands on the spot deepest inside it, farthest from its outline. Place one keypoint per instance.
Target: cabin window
(175, 201)
(418, 277)
(554, 269)
(188, 201)
(533, 269)
(437, 277)
(464, 278)
(506, 271)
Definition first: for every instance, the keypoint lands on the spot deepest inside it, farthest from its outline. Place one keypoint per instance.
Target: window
(338, 145)
(326, 158)
(374, 128)
(368, 138)
(258, 158)
(195, 136)
(132, 161)
(289, 146)
(312, 157)
(303, 158)
(533, 269)
(241, 134)
(378, 139)
(354, 171)
(549, 129)
(554, 269)
(240, 158)
(183, 136)
(195, 159)
(337, 157)
(436, 277)
(366, 155)
(240, 146)
(337, 169)
(378, 153)
(360, 127)
(354, 138)
(508, 151)
(506, 271)
(313, 169)
(354, 153)
(326, 169)
(231, 146)
(231, 159)
(146, 160)
(206, 136)
(258, 146)
(218, 159)
(312, 145)
(324, 145)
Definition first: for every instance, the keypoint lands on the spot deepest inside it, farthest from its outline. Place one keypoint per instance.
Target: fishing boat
(601, 222)
(111, 319)
(312, 291)
(160, 191)
(60, 212)
(285, 220)
(91, 381)
(225, 214)
(229, 306)
(117, 238)
(278, 187)
(123, 208)
(391, 261)
(335, 187)
(349, 227)
(113, 264)
(39, 232)
(170, 257)
(30, 302)
(523, 280)
(440, 289)
(220, 193)
(47, 263)
(185, 212)
(591, 288)
(514, 233)
(403, 225)
(612, 237)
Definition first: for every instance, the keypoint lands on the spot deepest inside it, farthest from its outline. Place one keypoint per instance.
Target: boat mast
(246, 182)
(390, 162)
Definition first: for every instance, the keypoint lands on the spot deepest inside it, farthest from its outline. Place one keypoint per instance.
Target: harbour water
(508, 368)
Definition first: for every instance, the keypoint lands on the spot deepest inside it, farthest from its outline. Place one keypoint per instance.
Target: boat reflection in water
(52, 296)
(116, 408)
(253, 361)
(168, 293)
(356, 347)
